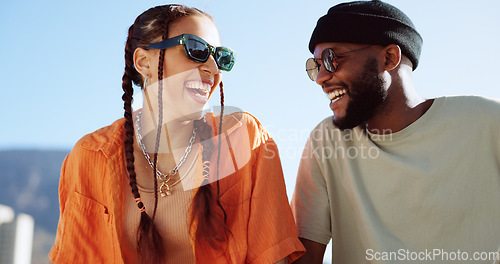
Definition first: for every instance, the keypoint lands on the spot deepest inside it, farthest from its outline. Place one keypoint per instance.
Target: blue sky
(62, 63)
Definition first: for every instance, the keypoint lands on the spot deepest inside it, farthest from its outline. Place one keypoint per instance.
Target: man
(392, 176)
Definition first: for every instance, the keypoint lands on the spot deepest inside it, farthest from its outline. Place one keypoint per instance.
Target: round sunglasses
(199, 50)
(329, 59)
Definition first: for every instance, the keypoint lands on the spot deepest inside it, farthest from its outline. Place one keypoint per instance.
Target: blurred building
(16, 237)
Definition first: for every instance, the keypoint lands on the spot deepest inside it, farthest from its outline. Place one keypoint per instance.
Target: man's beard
(366, 97)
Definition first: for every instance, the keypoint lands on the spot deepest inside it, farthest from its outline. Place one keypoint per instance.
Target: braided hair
(211, 225)
(147, 28)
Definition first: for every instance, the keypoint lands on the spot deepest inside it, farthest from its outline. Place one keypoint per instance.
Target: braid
(160, 119)
(128, 91)
(210, 225)
(150, 245)
(219, 146)
(146, 221)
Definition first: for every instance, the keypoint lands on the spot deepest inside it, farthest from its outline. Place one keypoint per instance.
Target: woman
(169, 184)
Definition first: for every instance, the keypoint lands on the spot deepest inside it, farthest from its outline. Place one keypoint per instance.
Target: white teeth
(198, 85)
(336, 99)
(336, 94)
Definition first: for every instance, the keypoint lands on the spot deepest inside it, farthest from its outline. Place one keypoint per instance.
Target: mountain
(29, 182)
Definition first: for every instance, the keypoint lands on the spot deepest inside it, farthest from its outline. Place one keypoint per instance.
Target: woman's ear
(392, 57)
(142, 63)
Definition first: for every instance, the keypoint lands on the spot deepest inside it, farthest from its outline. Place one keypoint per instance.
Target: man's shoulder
(480, 102)
(472, 105)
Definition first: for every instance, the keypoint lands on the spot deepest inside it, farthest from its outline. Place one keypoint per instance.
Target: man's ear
(392, 57)
(142, 62)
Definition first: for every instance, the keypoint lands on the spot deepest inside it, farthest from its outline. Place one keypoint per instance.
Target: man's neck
(403, 107)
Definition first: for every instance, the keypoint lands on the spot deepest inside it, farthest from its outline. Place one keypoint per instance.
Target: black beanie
(368, 22)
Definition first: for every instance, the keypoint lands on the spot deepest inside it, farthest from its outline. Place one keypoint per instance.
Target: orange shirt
(92, 193)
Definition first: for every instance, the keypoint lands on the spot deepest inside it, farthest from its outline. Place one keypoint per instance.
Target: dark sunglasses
(199, 50)
(329, 59)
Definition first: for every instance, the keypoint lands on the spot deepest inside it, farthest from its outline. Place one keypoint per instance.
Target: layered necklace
(164, 178)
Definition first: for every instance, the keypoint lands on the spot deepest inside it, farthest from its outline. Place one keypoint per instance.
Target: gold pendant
(165, 189)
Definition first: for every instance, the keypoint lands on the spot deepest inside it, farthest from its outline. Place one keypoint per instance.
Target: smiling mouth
(198, 88)
(336, 94)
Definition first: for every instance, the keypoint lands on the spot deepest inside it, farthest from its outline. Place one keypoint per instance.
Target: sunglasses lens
(328, 58)
(197, 50)
(224, 58)
(312, 68)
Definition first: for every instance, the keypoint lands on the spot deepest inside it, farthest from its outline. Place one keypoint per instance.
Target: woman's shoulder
(87, 163)
(236, 121)
(108, 139)
(239, 126)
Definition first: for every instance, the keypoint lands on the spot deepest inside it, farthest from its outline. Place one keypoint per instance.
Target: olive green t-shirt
(427, 193)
